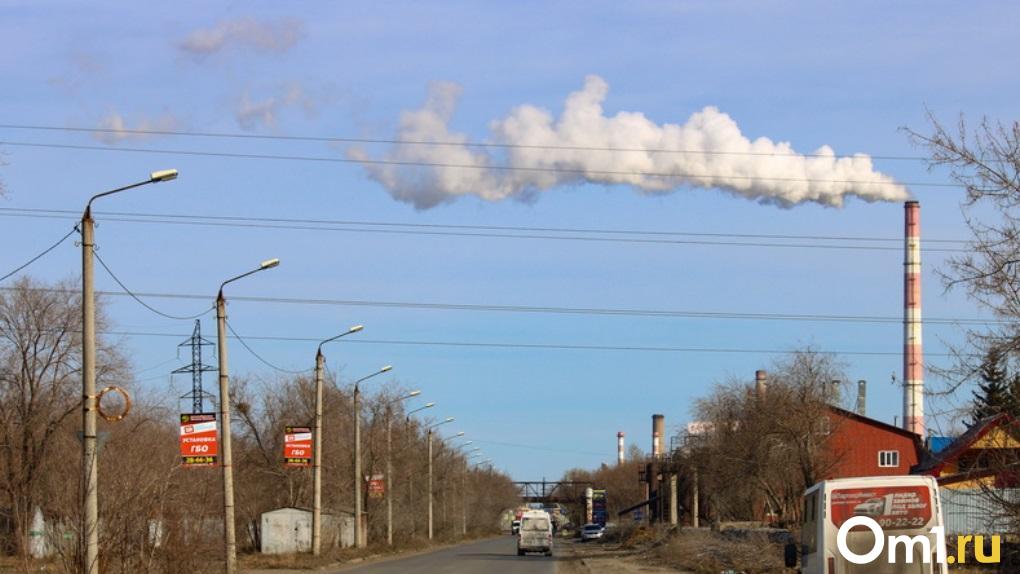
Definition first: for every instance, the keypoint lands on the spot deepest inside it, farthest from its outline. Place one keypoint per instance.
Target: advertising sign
(599, 513)
(198, 439)
(892, 507)
(297, 446)
(376, 485)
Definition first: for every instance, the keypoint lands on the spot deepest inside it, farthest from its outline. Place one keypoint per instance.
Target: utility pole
(320, 364)
(89, 446)
(430, 483)
(229, 536)
(360, 538)
(389, 475)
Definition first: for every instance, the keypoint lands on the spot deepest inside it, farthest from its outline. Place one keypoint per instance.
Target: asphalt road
(486, 557)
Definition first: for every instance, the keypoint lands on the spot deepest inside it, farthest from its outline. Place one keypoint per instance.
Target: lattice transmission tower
(196, 368)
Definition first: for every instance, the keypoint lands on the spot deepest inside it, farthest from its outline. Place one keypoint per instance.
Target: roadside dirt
(605, 558)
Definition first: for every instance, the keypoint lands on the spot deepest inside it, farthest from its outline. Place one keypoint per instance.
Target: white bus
(906, 508)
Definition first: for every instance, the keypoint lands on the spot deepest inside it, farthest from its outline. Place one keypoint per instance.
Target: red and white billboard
(376, 485)
(297, 446)
(198, 439)
(892, 507)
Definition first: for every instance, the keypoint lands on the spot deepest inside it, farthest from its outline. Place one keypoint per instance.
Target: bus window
(809, 532)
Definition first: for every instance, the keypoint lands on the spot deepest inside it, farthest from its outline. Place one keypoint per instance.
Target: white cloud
(251, 114)
(116, 128)
(544, 152)
(270, 36)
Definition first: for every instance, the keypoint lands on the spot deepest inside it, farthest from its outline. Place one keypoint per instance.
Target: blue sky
(847, 75)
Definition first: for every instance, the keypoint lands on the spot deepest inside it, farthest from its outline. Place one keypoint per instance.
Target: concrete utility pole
(320, 364)
(229, 537)
(360, 538)
(410, 473)
(430, 428)
(389, 463)
(90, 466)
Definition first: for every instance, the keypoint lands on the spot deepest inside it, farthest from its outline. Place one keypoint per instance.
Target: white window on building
(888, 458)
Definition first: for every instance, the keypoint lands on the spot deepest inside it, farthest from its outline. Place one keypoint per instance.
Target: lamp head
(269, 263)
(429, 405)
(355, 328)
(448, 420)
(461, 433)
(386, 368)
(163, 175)
(413, 394)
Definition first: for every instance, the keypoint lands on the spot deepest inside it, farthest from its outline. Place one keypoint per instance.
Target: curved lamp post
(229, 536)
(360, 540)
(320, 363)
(89, 461)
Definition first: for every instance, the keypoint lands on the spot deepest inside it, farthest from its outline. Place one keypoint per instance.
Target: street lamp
(227, 463)
(430, 428)
(360, 540)
(473, 453)
(410, 473)
(320, 363)
(389, 462)
(89, 460)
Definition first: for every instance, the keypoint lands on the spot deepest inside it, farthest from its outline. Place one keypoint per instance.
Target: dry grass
(707, 552)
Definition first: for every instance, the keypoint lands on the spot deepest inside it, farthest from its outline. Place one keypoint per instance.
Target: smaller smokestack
(620, 456)
(760, 384)
(658, 431)
(862, 391)
(834, 393)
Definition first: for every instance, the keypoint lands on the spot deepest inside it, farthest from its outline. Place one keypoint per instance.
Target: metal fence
(973, 511)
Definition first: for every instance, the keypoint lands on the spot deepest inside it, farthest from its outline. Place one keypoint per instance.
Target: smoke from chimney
(620, 456)
(913, 356)
(530, 150)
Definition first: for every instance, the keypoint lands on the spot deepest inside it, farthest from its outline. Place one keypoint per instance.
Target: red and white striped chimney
(620, 456)
(913, 357)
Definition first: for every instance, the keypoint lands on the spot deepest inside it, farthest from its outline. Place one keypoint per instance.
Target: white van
(536, 533)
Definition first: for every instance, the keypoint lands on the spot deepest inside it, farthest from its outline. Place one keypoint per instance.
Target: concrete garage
(289, 530)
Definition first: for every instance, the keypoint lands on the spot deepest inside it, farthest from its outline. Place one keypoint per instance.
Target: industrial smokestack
(913, 357)
(658, 432)
(833, 395)
(760, 384)
(620, 456)
(862, 391)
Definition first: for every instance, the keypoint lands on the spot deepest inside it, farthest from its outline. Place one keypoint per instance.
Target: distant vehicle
(515, 527)
(592, 532)
(536, 533)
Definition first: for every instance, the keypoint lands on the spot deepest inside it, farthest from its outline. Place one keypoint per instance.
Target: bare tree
(40, 345)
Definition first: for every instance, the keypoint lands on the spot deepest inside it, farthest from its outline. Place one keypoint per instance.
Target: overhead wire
(244, 344)
(496, 167)
(420, 232)
(435, 143)
(592, 311)
(134, 296)
(40, 255)
(530, 346)
(607, 231)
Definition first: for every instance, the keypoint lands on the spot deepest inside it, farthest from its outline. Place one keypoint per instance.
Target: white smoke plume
(116, 128)
(270, 36)
(542, 152)
(251, 114)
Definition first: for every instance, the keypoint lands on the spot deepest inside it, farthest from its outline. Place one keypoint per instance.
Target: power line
(401, 141)
(143, 303)
(420, 232)
(590, 311)
(40, 255)
(259, 357)
(609, 231)
(535, 447)
(407, 163)
(532, 346)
